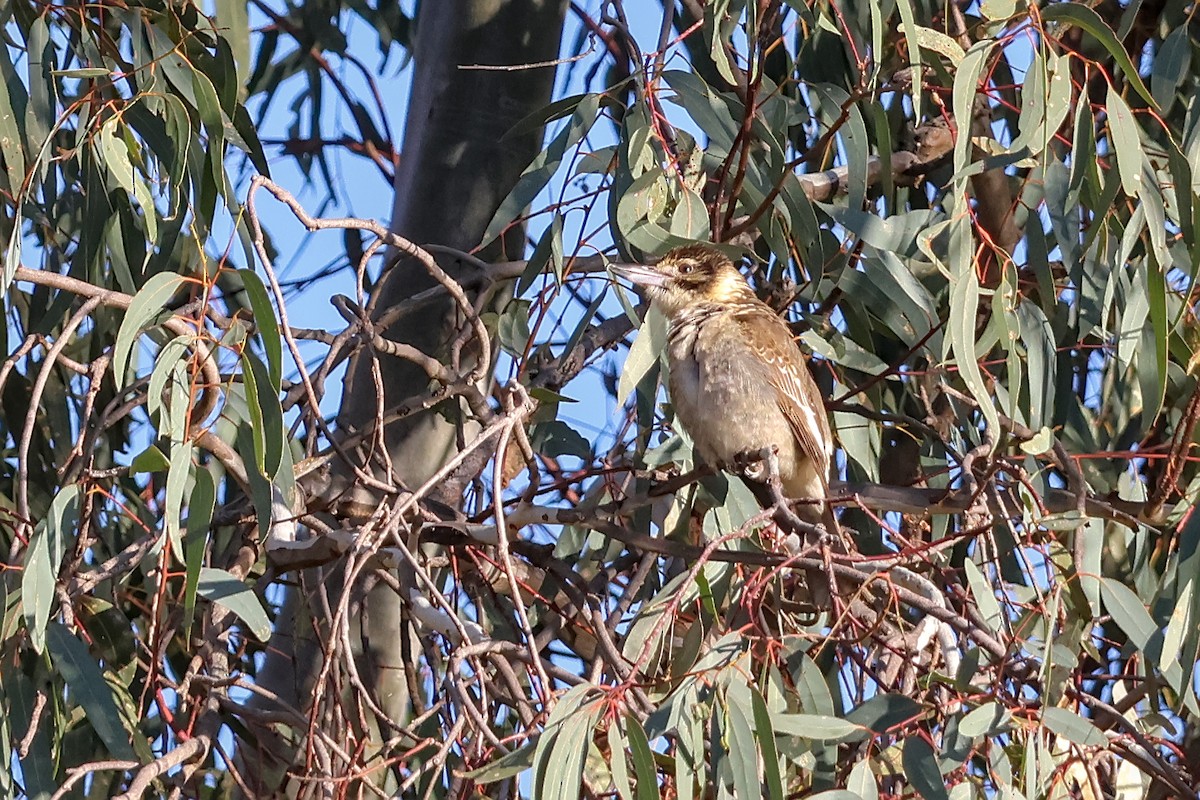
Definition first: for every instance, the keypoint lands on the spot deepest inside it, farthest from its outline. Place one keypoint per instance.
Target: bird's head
(688, 276)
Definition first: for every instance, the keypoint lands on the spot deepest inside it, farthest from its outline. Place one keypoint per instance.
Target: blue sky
(302, 253)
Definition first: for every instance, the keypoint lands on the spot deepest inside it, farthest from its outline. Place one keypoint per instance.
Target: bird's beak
(640, 275)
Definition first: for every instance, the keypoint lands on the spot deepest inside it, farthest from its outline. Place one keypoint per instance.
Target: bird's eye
(687, 268)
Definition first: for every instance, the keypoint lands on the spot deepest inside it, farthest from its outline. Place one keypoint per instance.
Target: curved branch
(180, 326)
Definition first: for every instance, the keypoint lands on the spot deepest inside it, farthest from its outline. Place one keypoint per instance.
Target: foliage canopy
(982, 220)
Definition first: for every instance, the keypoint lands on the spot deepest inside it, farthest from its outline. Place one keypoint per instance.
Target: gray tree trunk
(455, 168)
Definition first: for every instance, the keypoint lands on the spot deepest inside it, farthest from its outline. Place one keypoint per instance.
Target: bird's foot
(753, 464)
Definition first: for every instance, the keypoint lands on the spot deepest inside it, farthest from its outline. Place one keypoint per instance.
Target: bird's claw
(757, 465)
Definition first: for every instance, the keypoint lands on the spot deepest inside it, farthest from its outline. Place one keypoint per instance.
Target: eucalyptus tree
(454, 545)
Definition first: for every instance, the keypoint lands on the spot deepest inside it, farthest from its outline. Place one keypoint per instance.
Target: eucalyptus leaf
(147, 304)
(43, 558)
(89, 688)
(219, 586)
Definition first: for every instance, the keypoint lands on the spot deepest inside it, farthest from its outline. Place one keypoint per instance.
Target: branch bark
(456, 167)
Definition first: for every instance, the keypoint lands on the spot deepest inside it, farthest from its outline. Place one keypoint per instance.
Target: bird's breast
(719, 397)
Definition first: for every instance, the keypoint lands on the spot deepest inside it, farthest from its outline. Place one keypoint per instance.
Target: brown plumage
(738, 381)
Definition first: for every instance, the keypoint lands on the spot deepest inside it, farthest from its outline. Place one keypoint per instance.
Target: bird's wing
(795, 390)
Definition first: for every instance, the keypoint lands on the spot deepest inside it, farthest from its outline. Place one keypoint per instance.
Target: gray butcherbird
(738, 381)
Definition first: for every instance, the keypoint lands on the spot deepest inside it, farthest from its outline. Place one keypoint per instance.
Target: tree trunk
(455, 167)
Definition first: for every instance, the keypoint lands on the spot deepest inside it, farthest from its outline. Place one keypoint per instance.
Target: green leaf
(900, 290)
(989, 719)
(149, 460)
(568, 704)
(556, 776)
(843, 351)
(1156, 335)
(261, 393)
(964, 309)
(1172, 64)
(1083, 144)
(707, 602)
(513, 327)
(218, 586)
(200, 511)
(147, 304)
(743, 753)
(40, 66)
(817, 727)
(177, 477)
(581, 327)
(1073, 727)
(1032, 119)
(266, 325)
(1178, 626)
(811, 687)
(12, 107)
(1189, 571)
(1050, 107)
(1042, 441)
(885, 711)
(508, 765)
(184, 135)
(549, 250)
(1151, 372)
(908, 22)
(1086, 17)
(998, 9)
(1090, 541)
(1136, 310)
(209, 106)
(939, 42)
(178, 392)
(12, 254)
(542, 169)
(718, 25)
(966, 86)
(854, 137)
(88, 687)
(1128, 611)
(113, 149)
(37, 766)
(1155, 212)
(232, 17)
(689, 747)
(564, 765)
(618, 764)
(180, 463)
(1126, 140)
(247, 133)
(707, 109)
(538, 119)
(544, 395)
(1042, 358)
(764, 731)
(43, 557)
(644, 202)
(689, 220)
(643, 353)
(643, 760)
(920, 766)
(640, 154)
(964, 281)
(168, 378)
(556, 438)
(862, 782)
(597, 162)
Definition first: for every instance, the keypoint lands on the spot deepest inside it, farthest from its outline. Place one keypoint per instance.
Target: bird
(738, 381)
